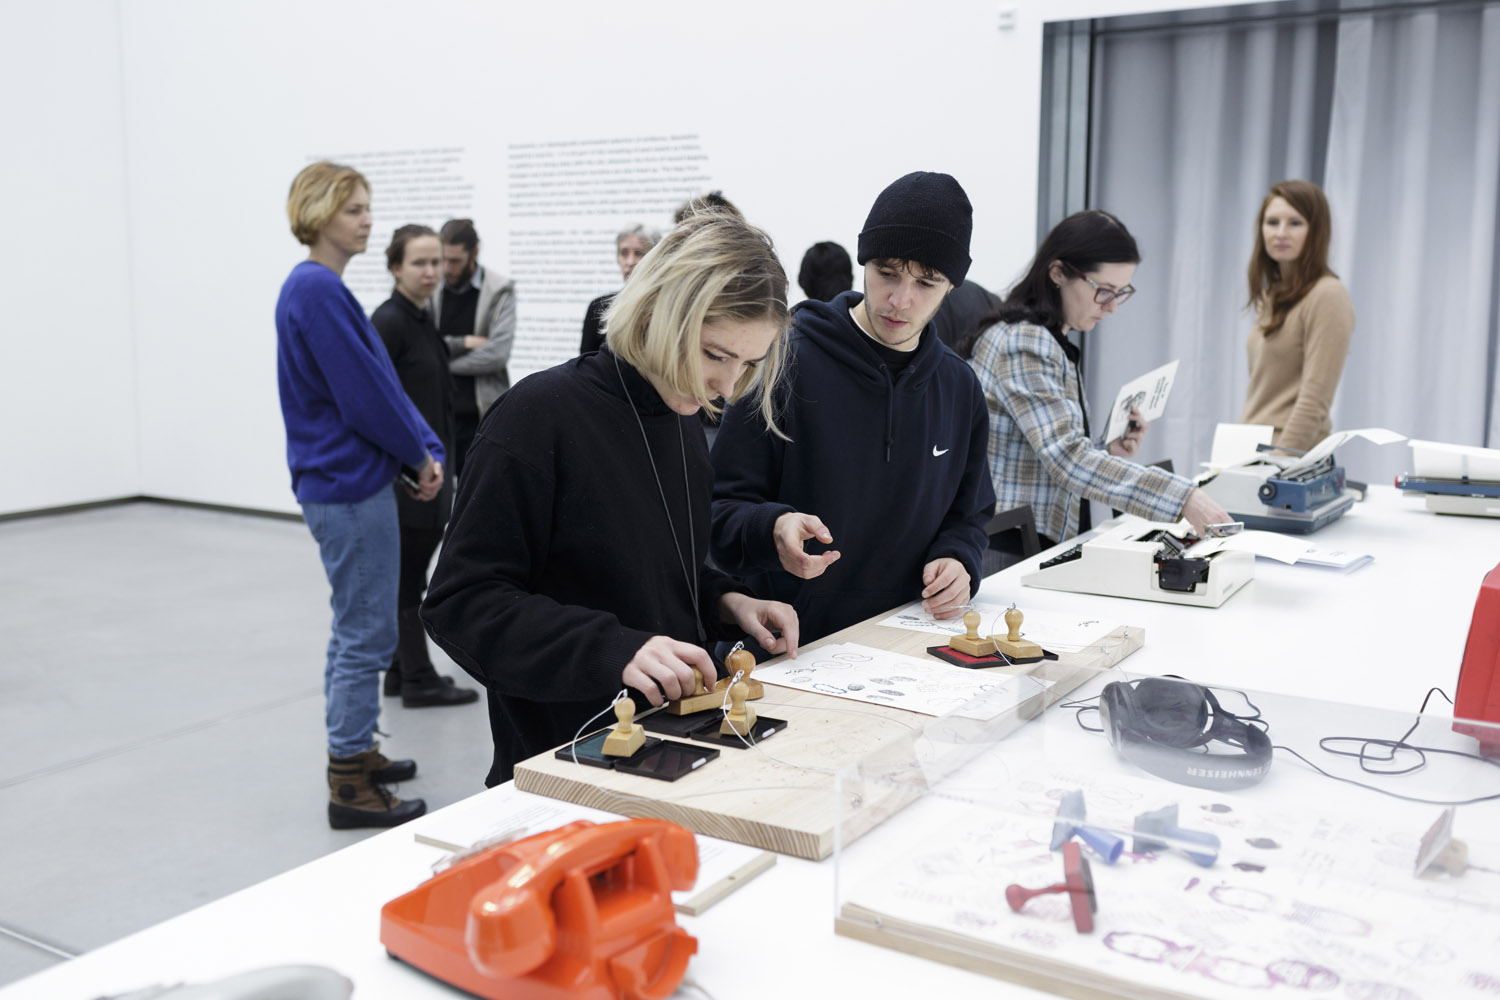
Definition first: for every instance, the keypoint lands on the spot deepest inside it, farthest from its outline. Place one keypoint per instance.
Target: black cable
(1395, 746)
(1396, 795)
(1080, 706)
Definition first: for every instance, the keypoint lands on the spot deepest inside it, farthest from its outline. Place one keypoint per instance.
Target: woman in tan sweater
(1303, 318)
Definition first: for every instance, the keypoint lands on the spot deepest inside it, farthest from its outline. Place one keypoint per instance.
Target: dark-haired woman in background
(1041, 451)
(1303, 318)
(415, 260)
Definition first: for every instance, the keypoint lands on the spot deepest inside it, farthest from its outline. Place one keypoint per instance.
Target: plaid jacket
(1039, 454)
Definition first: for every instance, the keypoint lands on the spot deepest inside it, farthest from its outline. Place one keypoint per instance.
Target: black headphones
(1159, 724)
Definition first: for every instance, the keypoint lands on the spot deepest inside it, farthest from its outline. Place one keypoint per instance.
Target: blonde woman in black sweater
(575, 561)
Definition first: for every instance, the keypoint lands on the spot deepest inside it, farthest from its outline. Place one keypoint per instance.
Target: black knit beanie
(925, 217)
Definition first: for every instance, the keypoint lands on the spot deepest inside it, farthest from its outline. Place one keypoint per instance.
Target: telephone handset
(581, 911)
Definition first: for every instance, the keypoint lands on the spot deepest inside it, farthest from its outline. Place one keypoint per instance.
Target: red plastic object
(1478, 696)
(583, 911)
(1078, 883)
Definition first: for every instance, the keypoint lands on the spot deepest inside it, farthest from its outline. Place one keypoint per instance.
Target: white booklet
(1340, 559)
(1148, 393)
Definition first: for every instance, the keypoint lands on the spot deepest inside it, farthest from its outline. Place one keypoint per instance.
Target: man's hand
(945, 587)
(1128, 445)
(1201, 510)
(665, 665)
(791, 531)
(473, 342)
(429, 480)
(761, 620)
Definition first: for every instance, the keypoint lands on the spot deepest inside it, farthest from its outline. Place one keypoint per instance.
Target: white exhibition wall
(68, 413)
(804, 111)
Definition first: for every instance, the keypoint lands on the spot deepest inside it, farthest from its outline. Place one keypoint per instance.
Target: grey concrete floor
(161, 721)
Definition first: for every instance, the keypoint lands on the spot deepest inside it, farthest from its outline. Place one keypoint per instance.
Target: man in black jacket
(881, 491)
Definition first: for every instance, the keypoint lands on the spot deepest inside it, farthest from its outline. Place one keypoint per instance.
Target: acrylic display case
(1238, 868)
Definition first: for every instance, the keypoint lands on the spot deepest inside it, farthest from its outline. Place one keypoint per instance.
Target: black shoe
(436, 692)
(342, 817)
(387, 771)
(392, 682)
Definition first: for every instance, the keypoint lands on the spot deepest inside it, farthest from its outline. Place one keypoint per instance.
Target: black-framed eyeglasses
(1103, 296)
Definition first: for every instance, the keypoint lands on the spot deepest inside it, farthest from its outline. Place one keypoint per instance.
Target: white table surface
(1380, 636)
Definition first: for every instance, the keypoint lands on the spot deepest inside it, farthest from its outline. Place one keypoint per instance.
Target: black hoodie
(895, 466)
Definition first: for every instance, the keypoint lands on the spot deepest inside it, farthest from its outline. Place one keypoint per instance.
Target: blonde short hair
(712, 266)
(318, 192)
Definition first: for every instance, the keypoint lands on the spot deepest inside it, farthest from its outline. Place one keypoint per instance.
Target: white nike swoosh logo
(938, 454)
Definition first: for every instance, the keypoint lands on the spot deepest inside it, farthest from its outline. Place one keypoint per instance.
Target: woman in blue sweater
(350, 430)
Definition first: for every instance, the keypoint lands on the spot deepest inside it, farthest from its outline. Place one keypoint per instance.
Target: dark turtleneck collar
(1069, 348)
(611, 370)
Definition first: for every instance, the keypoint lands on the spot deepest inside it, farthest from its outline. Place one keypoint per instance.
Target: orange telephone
(581, 911)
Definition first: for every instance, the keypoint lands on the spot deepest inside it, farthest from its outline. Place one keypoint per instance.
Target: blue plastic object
(1069, 823)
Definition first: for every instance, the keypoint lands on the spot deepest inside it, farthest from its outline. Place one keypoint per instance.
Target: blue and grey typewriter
(1282, 492)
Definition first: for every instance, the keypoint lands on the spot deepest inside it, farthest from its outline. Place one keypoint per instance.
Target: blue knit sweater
(349, 426)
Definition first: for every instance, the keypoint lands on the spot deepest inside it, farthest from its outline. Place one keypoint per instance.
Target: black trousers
(417, 547)
(464, 425)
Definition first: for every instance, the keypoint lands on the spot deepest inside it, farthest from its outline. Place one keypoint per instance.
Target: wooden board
(780, 795)
(711, 895)
(1024, 968)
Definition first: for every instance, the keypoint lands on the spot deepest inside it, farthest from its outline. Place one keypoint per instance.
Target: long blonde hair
(712, 266)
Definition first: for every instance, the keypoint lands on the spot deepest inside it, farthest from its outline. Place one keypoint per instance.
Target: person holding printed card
(1041, 451)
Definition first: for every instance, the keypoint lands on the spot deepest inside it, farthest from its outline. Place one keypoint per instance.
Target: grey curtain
(1397, 115)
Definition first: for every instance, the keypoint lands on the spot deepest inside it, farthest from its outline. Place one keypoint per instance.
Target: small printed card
(1148, 393)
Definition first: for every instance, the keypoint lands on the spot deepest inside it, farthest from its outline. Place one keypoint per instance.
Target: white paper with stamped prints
(1148, 393)
(1301, 902)
(1055, 631)
(920, 683)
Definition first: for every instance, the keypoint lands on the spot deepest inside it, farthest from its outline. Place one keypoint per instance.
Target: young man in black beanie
(880, 491)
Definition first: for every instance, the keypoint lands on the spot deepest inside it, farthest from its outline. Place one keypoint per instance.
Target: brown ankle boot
(357, 799)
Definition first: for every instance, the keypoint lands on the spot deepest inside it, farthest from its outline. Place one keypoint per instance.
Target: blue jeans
(360, 544)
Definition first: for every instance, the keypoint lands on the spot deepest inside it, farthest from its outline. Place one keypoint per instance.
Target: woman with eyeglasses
(1303, 318)
(1042, 451)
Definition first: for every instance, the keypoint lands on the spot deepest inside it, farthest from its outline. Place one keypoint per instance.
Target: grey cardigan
(495, 319)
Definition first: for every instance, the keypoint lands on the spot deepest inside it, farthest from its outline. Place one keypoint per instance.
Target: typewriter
(1281, 494)
(1145, 561)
